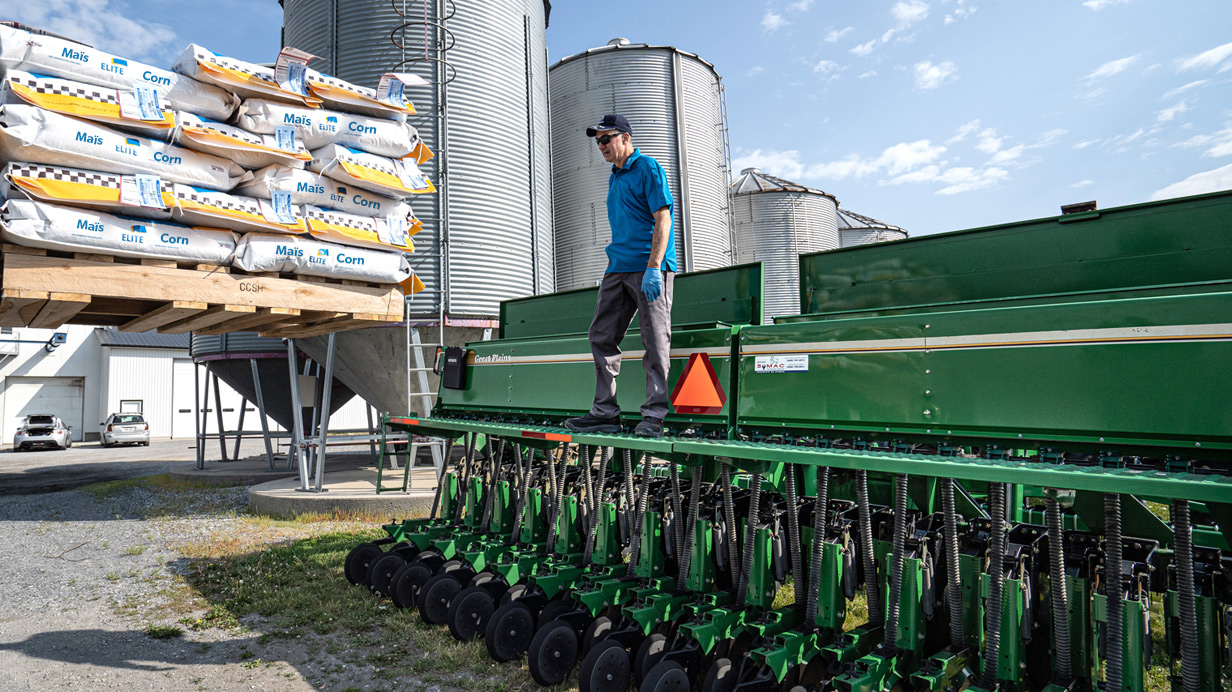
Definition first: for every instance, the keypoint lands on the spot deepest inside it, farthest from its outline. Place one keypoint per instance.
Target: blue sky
(933, 115)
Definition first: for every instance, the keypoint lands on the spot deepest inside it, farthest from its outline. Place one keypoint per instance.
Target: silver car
(42, 430)
(125, 428)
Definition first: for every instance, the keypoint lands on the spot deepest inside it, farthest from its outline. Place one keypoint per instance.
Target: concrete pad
(347, 491)
(255, 469)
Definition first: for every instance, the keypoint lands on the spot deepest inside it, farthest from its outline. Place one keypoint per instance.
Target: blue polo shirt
(634, 193)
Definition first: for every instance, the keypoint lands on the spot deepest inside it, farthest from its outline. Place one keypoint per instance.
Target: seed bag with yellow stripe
(199, 206)
(57, 57)
(248, 149)
(67, 229)
(129, 195)
(339, 94)
(246, 79)
(308, 188)
(34, 135)
(137, 111)
(378, 233)
(261, 252)
(384, 176)
(320, 127)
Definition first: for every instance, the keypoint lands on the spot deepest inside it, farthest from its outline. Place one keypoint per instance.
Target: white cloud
(827, 68)
(104, 25)
(773, 21)
(800, 5)
(1050, 136)
(785, 164)
(904, 156)
(1209, 58)
(755, 70)
(1198, 183)
(865, 48)
(1182, 89)
(1169, 114)
(1110, 68)
(909, 12)
(930, 76)
(989, 142)
(835, 34)
(964, 131)
(1216, 144)
(1098, 5)
(870, 73)
(1086, 143)
(1082, 183)
(1007, 155)
(959, 13)
(971, 179)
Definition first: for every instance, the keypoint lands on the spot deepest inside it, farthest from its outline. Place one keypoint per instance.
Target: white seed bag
(37, 136)
(384, 176)
(57, 57)
(249, 150)
(339, 94)
(53, 227)
(259, 252)
(110, 192)
(320, 127)
(199, 206)
(247, 79)
(376, 232)
(139, 112)
(308, 188)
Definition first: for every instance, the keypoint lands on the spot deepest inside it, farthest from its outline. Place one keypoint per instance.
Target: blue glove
(652, 284)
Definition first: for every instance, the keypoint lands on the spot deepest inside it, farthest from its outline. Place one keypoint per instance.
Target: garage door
(183, 398)
(60, 396)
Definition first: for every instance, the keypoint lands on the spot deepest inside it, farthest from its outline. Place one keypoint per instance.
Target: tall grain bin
(488, 233)
(857, 229)
(775, 220)
(674, 101)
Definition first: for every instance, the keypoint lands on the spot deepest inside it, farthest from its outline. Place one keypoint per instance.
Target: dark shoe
(649, 427)
(593, 424)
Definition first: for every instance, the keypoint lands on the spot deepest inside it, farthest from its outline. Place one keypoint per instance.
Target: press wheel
(469, 612)
(595, 633)
(554, 609)
(648, 654)
(514, 593)
(721, 677)
(461, 570)
(605, 669)
(407, 582)
(666, 676)
(381, 573)
(553, 652)
(358, 560)
(509, 633)
(435, 596)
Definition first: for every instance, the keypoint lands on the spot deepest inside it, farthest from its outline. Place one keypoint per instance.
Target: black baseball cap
(611, 122)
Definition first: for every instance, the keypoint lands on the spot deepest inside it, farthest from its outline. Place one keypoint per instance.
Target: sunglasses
(604, 139)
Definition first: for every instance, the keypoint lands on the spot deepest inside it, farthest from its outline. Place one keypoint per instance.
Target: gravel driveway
(43, 471)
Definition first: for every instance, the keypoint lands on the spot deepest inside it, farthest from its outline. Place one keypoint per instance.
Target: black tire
(554, 609)
(721, 677)
(461, 570)
(435, 596)
(648, 655)
(380, 575)
(553, 653)
(605, 669)
(407, 582)
(509, 633)
(666, 676)
(358, 560)
(595, 632)
(469, 613)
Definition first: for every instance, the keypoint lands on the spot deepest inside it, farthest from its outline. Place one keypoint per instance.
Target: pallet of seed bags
(261, 252)
(53, 56)
(308, 188)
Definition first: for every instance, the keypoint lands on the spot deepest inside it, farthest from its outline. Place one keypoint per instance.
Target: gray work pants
(620, 296)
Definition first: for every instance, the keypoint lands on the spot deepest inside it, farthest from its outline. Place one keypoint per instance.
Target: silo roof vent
(752, 180)
(619, 41)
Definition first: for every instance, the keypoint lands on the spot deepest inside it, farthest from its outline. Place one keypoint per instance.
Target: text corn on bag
(139, 112)
(199, 206)
(248, 149)
(384, 176)
(379, 233)
(56, 57)
(246, 79)
(52, 227)
(29, 134)
(261, 252)
(308, 188)
(320, 127)
(110, 192)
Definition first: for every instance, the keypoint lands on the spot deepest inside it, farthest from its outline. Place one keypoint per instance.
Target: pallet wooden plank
(23, 250)
(167, 264)
(351, 322)
(166, 284)
(18, 307)
(92, 257)
(58, 308)
(213, 268)
(206, 318)
(260, 319)
(168, 313)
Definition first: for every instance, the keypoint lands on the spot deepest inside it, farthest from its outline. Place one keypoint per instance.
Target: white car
(42, 430)
(125, 428)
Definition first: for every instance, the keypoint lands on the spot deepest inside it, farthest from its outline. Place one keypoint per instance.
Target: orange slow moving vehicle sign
(698, 389)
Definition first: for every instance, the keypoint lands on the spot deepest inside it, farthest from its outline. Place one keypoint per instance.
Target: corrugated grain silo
(488, 232)
(857, 229)
(774, 221)
(674, 101)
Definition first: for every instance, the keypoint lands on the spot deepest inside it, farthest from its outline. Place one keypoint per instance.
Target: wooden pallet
(48, 289)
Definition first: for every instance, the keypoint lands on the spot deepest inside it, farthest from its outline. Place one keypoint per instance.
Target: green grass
(164, 631)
